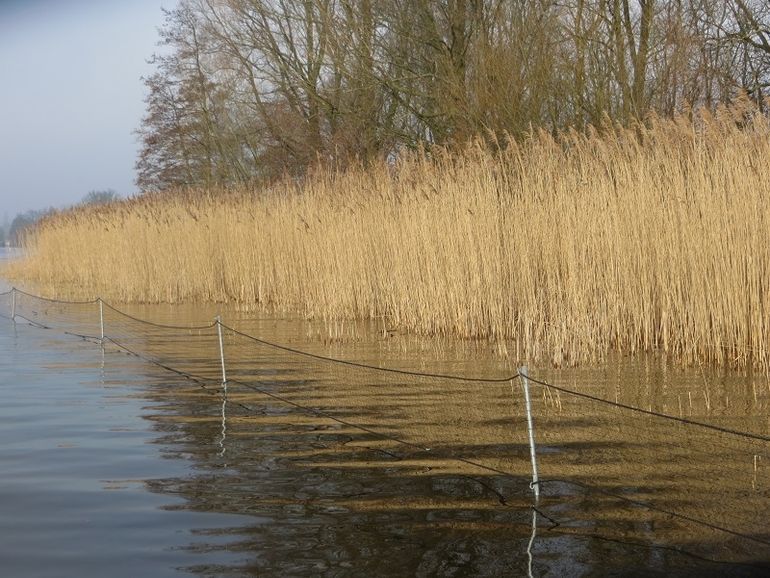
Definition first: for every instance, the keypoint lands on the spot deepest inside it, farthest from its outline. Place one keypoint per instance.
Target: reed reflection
(331, 496)
(330, 462)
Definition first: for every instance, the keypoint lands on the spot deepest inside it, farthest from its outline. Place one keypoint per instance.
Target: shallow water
(78, 460)
(115, 466)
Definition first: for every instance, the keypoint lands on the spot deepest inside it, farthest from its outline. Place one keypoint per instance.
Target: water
(115, 466)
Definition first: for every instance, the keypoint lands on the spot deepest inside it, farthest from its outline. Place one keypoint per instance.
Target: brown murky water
(307, 467)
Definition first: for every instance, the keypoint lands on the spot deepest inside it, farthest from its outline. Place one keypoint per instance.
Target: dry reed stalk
(654, 237)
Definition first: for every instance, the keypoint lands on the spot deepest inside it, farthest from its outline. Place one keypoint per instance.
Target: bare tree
(253, 89)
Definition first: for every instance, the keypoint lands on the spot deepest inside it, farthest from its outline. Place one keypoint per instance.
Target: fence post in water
(221, 351)
(13, 304)
(523, 374)
(101, 320)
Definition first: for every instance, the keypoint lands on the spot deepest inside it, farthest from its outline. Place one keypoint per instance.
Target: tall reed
(652, 237)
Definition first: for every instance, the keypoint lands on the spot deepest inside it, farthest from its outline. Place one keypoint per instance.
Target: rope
(649, 506)
(199, 379)
(657, 414)
(115, 309)
(158, 325)
(746, 435)
(43, 326)
(320, 413)
(276, 345)
(191, 376)
(307, 409)
(372, 367)
(33, 323)
(62, 301)
(674, 549)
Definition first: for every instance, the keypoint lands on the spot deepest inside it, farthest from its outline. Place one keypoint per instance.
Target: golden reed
(653, 237)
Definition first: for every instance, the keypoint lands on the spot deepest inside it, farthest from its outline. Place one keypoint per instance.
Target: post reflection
(530, 557)
(223, 434)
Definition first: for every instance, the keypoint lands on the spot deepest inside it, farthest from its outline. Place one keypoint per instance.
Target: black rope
(710, 450)
(38, 325)
(320, 413)
(555, 525)
(199, 379)
(365, 366)
(649, 506)
(283, 347)
(49, 300)
(116, 310)
(683, 420)
(686, 421)
(156, 362)
(306, 409)
(159, 325)
(314, 411)
(33, 323)
(674, 549)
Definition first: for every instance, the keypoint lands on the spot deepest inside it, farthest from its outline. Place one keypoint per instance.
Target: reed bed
(650, 237)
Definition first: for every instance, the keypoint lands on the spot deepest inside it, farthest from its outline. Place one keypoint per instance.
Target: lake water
(115, 466)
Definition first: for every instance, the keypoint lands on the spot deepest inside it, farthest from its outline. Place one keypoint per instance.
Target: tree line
(251, 89)
(12, 233)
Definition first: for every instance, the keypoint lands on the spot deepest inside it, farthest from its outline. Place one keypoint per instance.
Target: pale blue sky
(71, 97)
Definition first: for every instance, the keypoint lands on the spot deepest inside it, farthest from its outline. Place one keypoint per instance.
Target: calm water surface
(113, 466)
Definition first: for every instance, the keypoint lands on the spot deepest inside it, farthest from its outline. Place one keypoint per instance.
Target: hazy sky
(71, 97)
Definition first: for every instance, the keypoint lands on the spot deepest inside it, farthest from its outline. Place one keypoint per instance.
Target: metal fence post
(221, 351)
(101, 320)
(13, 304)
(523, 374)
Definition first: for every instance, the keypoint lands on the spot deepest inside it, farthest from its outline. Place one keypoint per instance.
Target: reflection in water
(101, 364)
(330, 504)
(531, 542)
(74, 456)
(224, 422)
(339, 500)
(358, 495)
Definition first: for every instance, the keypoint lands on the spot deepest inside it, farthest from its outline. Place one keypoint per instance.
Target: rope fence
(588, 461)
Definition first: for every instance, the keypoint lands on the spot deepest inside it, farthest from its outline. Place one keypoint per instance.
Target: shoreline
(573, 247)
